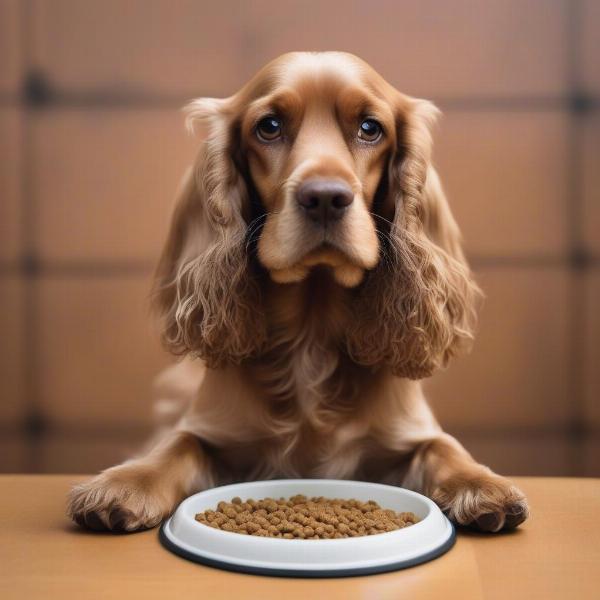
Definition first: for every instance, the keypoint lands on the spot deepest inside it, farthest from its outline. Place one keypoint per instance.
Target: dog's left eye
(370, 130)
(268, 129)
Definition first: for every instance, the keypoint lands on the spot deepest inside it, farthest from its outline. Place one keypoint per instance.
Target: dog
(312, 276)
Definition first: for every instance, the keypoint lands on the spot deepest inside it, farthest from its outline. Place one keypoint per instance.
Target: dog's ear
(204, 289)
(418, 306)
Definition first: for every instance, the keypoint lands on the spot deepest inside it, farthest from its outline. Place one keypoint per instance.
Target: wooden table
(556, 554)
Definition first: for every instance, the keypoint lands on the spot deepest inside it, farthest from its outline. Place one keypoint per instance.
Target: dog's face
(317, 140)
(316, 161)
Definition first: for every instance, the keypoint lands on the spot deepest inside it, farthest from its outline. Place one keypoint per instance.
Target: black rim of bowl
(313, 573)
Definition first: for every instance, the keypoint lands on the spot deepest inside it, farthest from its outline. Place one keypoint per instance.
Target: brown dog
(314, 266)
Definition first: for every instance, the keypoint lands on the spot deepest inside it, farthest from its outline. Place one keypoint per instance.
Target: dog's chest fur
(314, 412)
(312, 391)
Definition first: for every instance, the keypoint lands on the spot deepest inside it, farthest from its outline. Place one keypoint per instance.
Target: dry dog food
(304, 518)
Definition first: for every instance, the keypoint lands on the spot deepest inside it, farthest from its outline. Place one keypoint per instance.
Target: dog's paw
(487, 503)
(123, 498)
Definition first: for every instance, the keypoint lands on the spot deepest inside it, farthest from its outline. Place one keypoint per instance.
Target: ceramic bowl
(431, 537)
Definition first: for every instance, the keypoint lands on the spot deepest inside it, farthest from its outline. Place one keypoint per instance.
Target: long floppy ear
(418, 306)
(204, 289)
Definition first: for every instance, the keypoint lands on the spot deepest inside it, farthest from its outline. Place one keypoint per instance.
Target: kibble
(300, 517)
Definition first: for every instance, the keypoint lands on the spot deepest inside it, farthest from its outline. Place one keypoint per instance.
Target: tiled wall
(92, 147)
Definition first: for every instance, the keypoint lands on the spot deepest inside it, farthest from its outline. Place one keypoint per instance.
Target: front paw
(487, 502)
(124, 498)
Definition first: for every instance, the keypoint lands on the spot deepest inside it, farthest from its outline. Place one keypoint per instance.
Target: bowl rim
(261, 540)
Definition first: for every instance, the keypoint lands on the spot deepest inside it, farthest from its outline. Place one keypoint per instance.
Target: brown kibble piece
(300, 517)
(287, 527)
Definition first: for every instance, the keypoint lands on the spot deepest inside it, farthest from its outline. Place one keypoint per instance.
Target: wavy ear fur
(418, 306)
(204, 290)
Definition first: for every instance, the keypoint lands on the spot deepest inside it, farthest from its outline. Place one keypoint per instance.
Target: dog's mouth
(345, 271)
(290, 247)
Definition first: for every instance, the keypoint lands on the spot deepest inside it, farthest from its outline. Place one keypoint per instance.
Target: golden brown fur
(305, 340)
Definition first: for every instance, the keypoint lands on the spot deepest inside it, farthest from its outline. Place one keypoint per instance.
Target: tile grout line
(88, 268)
(580, 260)
(32, 425)
(43, 97)
(483, 432)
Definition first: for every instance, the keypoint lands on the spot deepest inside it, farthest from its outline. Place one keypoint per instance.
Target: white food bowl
(431, 537)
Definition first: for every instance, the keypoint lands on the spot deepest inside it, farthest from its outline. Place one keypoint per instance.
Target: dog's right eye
(370, 131)
(268, 129)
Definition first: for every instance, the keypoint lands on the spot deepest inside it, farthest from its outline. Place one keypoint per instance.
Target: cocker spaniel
(313, 274)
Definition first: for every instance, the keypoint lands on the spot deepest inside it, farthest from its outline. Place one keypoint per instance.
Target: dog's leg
(140, 493)
(469, 493)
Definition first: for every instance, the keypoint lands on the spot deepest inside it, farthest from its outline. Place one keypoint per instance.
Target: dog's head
(316, 161)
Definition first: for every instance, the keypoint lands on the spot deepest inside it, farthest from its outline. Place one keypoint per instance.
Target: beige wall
(91, 138)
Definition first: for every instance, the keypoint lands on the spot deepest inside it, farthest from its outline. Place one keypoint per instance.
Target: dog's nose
(324, 200)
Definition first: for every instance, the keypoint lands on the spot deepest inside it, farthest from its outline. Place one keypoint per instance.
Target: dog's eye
(370, 130)
(268, 129)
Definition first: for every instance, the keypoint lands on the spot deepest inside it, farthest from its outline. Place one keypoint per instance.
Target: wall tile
(14, 454)
(10, 46)
(509, 455)
(97, 173)
(176, 49)
(591, 457)
(105, 181)
(10, 183)
(590, 45)
(429, 48)
(68, 454)
(506, 178)
(12, 347)
(591, 343)
(516, 374)
(99, 351)
(591, 182)
(521, 454)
